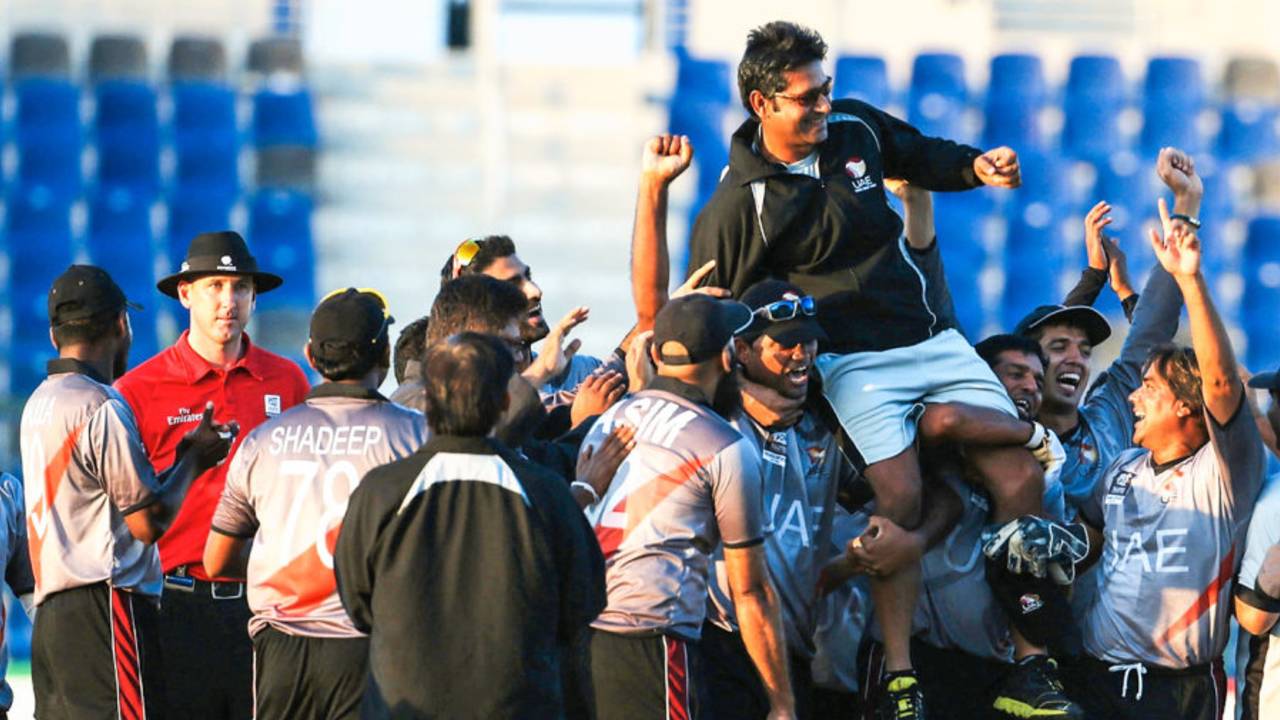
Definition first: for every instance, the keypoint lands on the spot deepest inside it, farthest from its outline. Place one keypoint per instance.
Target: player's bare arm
(756, 603)
(1256, 620)
(226, 556)
(1179, 252)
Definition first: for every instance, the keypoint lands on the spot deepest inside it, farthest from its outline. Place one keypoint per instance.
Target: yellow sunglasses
(376, 295)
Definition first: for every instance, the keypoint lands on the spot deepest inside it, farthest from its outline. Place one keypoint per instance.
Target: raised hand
(1118, 268)
(555, 354)
(1097, 218)
(639, 363)
(595, 395)
(1179, 249)
(1178, 172)
(690, 286)
(666, 156)
(998, 168)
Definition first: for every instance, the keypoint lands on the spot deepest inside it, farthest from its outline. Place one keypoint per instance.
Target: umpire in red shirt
(208, 660)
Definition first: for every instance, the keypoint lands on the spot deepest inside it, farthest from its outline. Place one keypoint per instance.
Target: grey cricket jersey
(1171, 548)
(287, 489)
(1261, 694)
(85, 469)
(801, 468)
(691, 483)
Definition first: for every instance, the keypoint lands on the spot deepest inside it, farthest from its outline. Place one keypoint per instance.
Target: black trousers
(94, 655)
(955, 684)
(308, 677)
(646, 677)
(734, 688)
(208, 658)
(1196, 693)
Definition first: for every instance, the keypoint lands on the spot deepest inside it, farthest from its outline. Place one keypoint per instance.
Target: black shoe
(901, 698)
(1031, 689)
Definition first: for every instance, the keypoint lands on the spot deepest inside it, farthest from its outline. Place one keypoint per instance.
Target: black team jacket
(475, 574)
(836, 238)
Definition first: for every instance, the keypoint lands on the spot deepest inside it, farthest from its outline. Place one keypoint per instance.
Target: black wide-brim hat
(219, 253)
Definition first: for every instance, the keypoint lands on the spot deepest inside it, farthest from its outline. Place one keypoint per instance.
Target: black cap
(700, 324)
(1094, 323)
(799, 329)
(350, 317)
(1265, 381)
(219, 253)
(84, 291)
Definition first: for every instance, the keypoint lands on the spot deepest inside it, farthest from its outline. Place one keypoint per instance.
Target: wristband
(1193, 222)
(586, 488)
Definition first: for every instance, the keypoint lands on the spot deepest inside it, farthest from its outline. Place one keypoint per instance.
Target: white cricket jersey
(288, 487)
(1163, 582)
(85, 469)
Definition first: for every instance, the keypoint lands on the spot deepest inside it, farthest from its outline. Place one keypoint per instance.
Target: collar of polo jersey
(344, 390)
(679, 388)
(58, 366)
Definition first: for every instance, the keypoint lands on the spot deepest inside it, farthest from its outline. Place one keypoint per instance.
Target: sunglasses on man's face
(788, 309)
(809, 99)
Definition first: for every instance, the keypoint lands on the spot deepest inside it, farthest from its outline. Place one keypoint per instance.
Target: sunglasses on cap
(376, 295)
(782, 310)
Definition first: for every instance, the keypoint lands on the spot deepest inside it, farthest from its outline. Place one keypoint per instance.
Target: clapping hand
(555, 355)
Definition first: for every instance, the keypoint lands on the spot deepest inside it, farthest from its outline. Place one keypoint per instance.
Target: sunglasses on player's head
(467, 251)
(376, 295)
(788, 309)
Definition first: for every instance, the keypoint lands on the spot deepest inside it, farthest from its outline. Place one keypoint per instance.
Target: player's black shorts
(955, 684)
(734, 688)
(1126, 693)
(308, 677)
(646, 677)
(94, 654)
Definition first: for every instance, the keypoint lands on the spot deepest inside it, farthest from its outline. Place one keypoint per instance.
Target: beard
(534, 329)
(727, 399)
(120, 363)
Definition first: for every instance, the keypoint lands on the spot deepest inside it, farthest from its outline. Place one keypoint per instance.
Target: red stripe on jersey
(306, 578)
(38, 517)
(677, 679)
(1206, 599)
(125, 651)
(642, 500)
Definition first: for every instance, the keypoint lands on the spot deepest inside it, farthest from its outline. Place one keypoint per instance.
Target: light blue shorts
(879, 396)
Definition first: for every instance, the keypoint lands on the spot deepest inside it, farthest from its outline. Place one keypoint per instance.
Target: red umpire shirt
(168, 395)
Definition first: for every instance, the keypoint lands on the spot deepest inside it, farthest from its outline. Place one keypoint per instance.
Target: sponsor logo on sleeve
(271, 405)
(1119, 488)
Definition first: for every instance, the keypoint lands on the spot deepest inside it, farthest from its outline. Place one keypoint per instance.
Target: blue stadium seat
(1262, 291)
(963, 220)
(1017, 75)
(864, 77)
(1095, 97)
(128, 137)
(703, 80)
(38, 236)
(206, 139)
(1249, 132)
(48, 135)
(1130, 185)
(1173, 97)
(283, 118)
(120, 241)
(1033, 264)
(938, 94)
(280, 237)
(189, 215)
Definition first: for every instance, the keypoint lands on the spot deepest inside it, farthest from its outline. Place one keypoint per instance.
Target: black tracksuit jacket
(475, 574)
(836, 238)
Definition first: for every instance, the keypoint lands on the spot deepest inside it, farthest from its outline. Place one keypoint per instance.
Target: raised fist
(666, 156)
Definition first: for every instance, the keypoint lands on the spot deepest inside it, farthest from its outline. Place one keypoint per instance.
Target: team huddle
(793, 490)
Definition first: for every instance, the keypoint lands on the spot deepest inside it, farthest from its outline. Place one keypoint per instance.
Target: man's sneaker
(901, 698)
(1032, 690)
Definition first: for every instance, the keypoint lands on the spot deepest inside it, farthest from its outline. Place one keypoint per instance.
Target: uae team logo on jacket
(856, 168)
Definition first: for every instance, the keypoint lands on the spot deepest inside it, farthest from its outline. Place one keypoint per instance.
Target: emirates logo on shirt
(184, 416)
